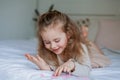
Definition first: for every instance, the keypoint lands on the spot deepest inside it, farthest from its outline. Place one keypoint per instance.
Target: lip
(56, 50)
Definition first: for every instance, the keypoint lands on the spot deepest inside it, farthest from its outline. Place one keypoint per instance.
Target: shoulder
(86, 60)
(84, 47)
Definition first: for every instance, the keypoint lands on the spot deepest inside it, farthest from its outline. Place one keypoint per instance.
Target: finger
(31, 58)
(68, 70)
(38, 57)
(28, 56)
(65, 69)
(58, 71)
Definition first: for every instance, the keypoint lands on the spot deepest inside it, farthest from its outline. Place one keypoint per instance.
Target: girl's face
(54, 38)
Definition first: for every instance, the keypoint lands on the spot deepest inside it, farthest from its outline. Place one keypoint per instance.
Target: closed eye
(57, 40)
(46, 42)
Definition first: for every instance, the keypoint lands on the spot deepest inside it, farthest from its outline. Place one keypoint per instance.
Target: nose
(53, 45)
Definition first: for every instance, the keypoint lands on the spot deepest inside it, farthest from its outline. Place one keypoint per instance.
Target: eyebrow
(53, 39)
(45, 41)
(56, 38)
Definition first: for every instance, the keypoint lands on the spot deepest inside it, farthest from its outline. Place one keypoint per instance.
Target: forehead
(52, 31)
(53, 26)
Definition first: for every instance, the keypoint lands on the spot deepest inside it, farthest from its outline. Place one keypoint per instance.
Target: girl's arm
(38, 61)
(81, 70)
(84, 68)
(96, 47)
(66, 67)
(74, 67)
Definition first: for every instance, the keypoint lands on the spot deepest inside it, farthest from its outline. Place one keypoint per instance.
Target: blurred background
(16, 16)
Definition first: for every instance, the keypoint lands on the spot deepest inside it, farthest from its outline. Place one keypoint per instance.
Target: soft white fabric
(109, 34)
(14, 66)
(111, 72)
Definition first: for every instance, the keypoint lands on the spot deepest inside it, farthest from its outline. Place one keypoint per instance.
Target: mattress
(14, 66)
(111, 72)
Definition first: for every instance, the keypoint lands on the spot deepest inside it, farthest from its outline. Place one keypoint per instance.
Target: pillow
(109, 34)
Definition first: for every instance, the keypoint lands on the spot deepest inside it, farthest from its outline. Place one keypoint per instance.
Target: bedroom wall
(16, 15)
(96, 10)
(16, 19)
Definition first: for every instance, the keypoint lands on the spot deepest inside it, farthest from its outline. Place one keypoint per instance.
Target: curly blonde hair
(73, 49)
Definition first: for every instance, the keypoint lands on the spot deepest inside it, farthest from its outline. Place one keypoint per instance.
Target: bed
(14, 66)
(107, 38)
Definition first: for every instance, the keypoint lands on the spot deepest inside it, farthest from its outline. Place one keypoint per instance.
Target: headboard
(108, 34)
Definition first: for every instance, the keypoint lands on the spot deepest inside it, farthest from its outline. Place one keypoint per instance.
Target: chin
(58, 52)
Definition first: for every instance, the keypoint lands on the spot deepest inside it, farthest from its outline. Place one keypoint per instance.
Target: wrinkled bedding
(111, 72)
(14, 66)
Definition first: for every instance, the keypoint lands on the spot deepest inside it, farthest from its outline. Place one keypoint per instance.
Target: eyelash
(57, 41)
(47, 43)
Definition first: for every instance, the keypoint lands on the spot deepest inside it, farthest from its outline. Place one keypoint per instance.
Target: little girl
(97, 57)
(60, 46)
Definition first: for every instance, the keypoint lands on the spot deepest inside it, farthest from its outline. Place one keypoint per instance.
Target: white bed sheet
(14, 66)
(111, 72)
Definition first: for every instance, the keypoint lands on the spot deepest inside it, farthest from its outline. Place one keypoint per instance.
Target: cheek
(47, 47)
(63, 43)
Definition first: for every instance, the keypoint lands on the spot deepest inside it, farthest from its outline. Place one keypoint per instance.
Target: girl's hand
(67, 67)
(38, 61)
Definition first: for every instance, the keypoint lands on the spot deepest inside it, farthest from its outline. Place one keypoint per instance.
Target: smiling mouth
(55, 50)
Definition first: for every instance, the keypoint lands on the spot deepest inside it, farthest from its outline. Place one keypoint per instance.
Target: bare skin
(54, 40)
(67, 67)
(38, 61)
